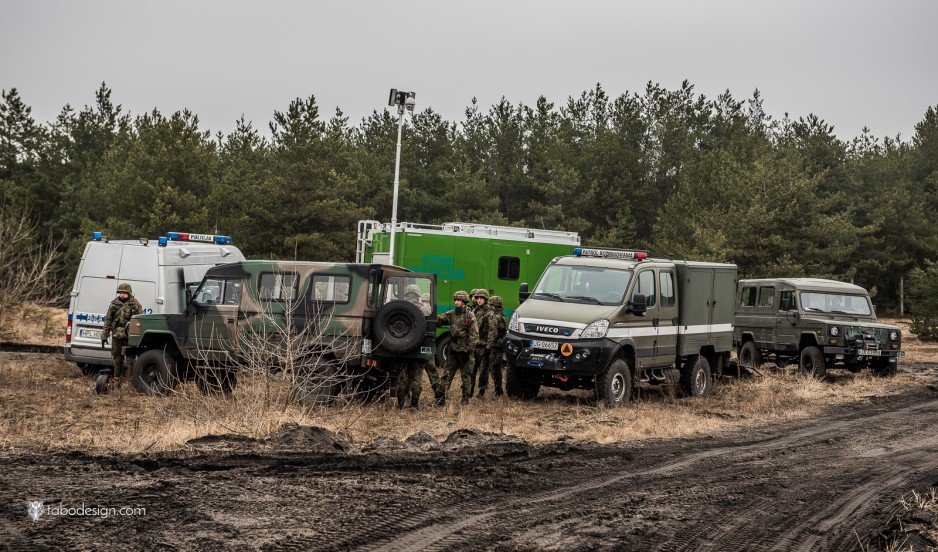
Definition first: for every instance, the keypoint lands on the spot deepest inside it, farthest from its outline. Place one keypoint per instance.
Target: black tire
(442, 349)
(100, 384)
(217, 381)
(695, 377)
(812, 363)
(88, 370)
(154, 372)
(316, 380)
(882, 368)
(614, 384)
(750, 357)
(400, 327)
(519, 385)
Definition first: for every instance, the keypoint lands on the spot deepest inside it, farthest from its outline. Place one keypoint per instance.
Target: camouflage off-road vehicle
(821, 323)
(338, 327)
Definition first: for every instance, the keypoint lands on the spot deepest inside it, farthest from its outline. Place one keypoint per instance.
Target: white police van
(158, 270)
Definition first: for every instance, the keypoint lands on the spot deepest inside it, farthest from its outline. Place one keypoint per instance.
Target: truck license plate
(545, 345)
(863, 352)
(90, 334)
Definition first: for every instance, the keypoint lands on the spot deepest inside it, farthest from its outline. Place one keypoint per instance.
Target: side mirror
(784, 305)
(638, 305)
(523, 292)
(191, 308)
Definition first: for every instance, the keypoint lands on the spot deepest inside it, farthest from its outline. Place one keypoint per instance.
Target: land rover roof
(241, 268)
(813, 284)
(624, 264)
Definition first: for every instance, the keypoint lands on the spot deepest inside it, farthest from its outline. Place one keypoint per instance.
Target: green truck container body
(706, 296)
(465, 256)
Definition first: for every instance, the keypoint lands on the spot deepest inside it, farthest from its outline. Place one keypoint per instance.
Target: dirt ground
(827, 481)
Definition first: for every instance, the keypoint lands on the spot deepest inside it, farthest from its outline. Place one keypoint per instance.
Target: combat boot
(400, 403)
(415, 404)
(465, 400)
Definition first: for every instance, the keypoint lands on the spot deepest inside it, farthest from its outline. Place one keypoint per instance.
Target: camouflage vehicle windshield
(820, 323)
(335, 322)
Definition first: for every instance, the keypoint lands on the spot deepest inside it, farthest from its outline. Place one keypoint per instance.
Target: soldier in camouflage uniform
(482, 352)
(464, 333)
(409, 380)
(119, 314)
(497, 354)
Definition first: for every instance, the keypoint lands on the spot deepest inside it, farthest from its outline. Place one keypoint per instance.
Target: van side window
(509, 268)
(666, 279)
(332, 289)
(766, 296)
(646, 285)
(277, 287)
(749, 297)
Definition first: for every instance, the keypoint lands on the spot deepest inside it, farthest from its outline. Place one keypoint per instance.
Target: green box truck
(465, 256)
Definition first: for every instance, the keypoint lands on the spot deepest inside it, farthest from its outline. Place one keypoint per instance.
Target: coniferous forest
(672, 171)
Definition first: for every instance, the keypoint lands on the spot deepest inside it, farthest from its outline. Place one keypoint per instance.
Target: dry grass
(916, 350)
(34, 324)
(46, 403)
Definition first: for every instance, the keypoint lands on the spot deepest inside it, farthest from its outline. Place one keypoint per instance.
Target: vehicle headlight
(834, 331)
(894, 335)
(596, 330)
(513, 324)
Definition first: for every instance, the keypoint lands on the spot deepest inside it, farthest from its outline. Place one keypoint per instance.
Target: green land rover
(608, 319)
(340, 326)
(820, 323)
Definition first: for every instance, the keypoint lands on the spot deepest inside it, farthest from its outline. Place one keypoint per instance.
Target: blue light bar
(223, 240)
(162, 241)
(96, 236)
(172, 235)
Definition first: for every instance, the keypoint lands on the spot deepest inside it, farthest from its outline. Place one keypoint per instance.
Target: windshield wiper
(585, 298)
(813, 309)
(548, 294)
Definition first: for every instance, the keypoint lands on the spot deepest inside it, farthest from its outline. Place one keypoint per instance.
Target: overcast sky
(854, 63)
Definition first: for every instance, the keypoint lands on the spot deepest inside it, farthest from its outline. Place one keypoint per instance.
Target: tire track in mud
(445, 527)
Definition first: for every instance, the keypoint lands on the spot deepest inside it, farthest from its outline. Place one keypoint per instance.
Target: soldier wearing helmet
(464, 334)
(497, 354)
(482, 352)
(119, 313)
(409, 382)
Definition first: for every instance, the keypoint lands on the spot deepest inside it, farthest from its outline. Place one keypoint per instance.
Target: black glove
(104, 343)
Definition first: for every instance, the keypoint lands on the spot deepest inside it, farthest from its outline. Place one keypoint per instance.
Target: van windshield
(835, 303)
(586, 284)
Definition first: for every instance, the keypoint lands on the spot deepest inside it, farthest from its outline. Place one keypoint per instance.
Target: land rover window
(786, 300)
(766, 296)
(749, 297)
(232, 292)
(331, 289)
(646, 285)
(835, 303)
(583, 284)
(210, 292)
(277, 286)
(509, 268)
(414, 290)
(666, 280)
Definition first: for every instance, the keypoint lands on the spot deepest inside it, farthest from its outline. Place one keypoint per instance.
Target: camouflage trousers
(433, 375)
(410, 382)
(480, 370)
(461, 362)
(117, 343)
(495, 361)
